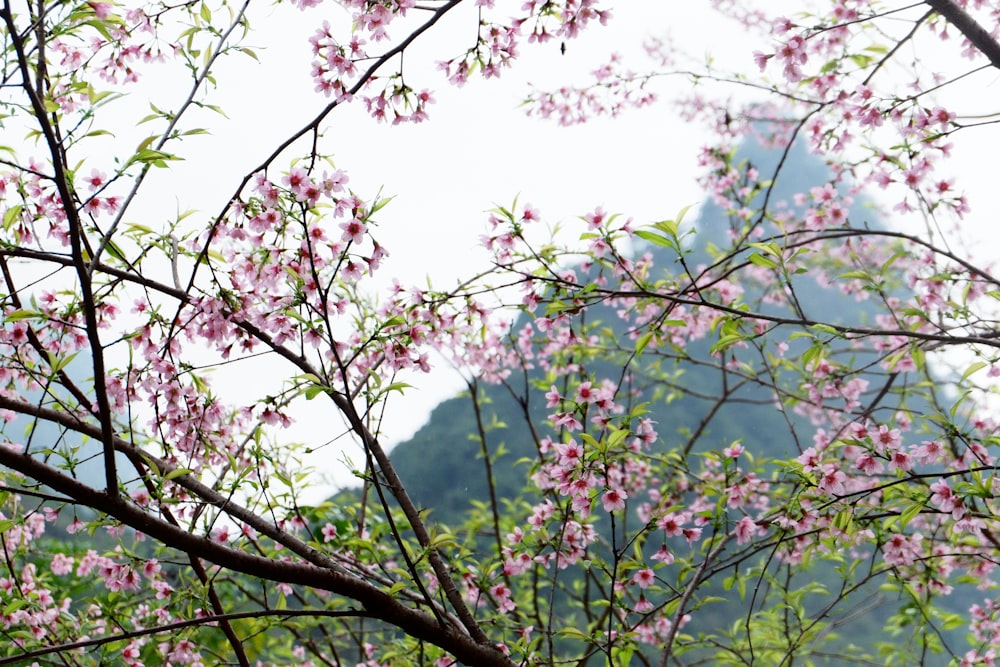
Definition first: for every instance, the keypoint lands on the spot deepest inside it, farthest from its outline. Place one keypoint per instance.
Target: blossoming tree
(191, 544)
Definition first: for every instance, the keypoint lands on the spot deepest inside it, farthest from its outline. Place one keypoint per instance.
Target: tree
(193, 546)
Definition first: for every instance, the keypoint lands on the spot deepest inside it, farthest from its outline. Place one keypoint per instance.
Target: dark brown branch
(168, 132)
(79, 251)
(373, 600)
(313, 125)
(173, 627)
(213, 596)
(342, 403)
(395, 484)
(970, 28)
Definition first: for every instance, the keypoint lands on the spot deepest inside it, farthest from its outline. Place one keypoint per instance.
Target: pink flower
(296, 179)
(102, 9)
(570, 454)
(552, 397)
(809, 459)
(643, 578)
(643, 606)
(329, 532)
(151, 568)
(334, 182)
(832, 480)
(734, 451)
(597, 218)
(672, 523)
(96, 179)
(61, 564)
(614, 500)
(501, 596)
(354, 231)
(902, 549)
(868, 464)
(946, 500)
(900, 460)
(886, 438)
(585, 393)
(746, 530)
(663, 555)
(566, 420)
(929, 452)
(761, 59)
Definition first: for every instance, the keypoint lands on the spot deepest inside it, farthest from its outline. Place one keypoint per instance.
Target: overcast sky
(477, 150)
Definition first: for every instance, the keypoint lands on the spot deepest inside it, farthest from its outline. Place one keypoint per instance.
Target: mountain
(445, 471)
(451, 433)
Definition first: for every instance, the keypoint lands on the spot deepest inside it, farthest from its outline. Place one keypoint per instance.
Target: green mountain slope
(442, 463)
(694, 403)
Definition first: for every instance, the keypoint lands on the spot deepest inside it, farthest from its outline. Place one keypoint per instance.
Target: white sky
(477, 150)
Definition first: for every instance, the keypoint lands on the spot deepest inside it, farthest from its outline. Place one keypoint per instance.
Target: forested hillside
(470, 447)
(443, 465)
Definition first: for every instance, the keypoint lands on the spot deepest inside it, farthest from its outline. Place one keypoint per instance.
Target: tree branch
(378, 603)
(78, 243)
(970, 28)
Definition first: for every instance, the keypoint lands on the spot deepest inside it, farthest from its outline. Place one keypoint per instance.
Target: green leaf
(379, 204)
(57, 363)
(683, 212)
(621, 656)
(115, 252)
(572, 633)
(14, 605)
(655, 238)
(99, 26)
(313, 391)
(11, 215)
(825, 328)
(667, 226)
(444, 540)
(844, 520)
(141, 230)
(913, 510)
(861, 60)
(96, 96)
(397, 386)
(829, 66)
(643, 341)
(973, 368)
(771, 248)
(153, 157)
(760, 260)
(177, 472)
(727, 341)
(616, 437)
(18, 315)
